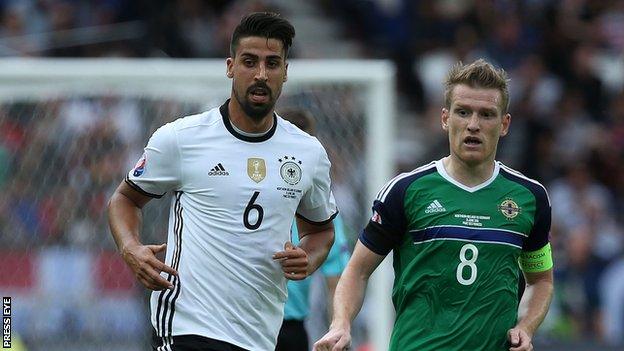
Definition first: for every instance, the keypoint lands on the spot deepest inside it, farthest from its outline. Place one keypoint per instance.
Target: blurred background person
(293, 335)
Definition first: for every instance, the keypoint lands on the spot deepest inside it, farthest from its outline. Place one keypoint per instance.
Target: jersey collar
(225, 114)
(442, 171)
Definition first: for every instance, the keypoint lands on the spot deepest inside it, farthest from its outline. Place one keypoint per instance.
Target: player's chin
(473, 157)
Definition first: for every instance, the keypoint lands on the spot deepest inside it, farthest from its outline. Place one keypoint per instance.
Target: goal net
(70, 129)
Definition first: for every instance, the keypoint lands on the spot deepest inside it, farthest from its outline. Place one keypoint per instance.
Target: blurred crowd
(59, 161)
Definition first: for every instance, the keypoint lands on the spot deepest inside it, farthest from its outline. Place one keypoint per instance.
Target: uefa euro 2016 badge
(139, 168)
(290, 169)
(509, 208)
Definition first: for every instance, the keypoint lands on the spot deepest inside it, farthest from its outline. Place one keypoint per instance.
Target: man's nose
(473, 123)
(261, 73)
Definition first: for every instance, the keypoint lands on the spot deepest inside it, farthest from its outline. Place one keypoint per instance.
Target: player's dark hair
(263, 24)
(301, 118)
(479, 74)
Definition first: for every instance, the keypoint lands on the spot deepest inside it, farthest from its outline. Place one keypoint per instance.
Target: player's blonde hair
(479, 74)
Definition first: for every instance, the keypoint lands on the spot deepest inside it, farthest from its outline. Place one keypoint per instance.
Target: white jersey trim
(518, 174)
(470, 189)
(383, 193)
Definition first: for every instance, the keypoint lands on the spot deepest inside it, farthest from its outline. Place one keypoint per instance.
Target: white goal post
(26, 79)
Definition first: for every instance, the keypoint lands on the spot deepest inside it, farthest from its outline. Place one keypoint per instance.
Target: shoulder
(300, 139)
(532, 185)
(293, 131)
(206, 118)
(402, 181)
(185, 128)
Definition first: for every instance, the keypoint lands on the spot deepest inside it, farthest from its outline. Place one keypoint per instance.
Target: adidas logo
(218, 170)
(435, 207)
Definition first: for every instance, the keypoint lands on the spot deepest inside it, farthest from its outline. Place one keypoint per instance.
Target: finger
(147, 283)
(321, 345)
(164, 268)
(297, 269)
(519, 347)
(158, 280)
(150, 282)
(289, 253)
(514, 337)
(157, 248)
(295, 263)
(289, 246)
(523, 345)
(159, 266)
(295, 275)
(342, 344)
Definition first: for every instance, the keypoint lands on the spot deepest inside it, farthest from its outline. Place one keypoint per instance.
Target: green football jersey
(456, 254)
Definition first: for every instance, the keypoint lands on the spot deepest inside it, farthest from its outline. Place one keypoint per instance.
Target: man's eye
(272, 64)
(248, 63)
(462, 113)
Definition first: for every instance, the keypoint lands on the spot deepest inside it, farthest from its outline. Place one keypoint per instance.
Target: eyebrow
(270, 57)
(484, 109)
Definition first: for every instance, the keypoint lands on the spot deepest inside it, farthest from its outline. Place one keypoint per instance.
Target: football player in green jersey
(461, 230)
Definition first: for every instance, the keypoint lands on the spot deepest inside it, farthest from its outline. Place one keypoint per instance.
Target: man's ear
(444, 119)
(506, 123)
(229, 63)
(286, 72)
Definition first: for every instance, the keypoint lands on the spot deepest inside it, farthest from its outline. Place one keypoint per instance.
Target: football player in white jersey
(239, 174)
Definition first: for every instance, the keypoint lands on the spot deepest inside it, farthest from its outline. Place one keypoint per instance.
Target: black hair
(263, 24)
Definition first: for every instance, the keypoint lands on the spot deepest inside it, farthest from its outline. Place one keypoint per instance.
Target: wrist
(525, 328)
(341, 323)
(126, 247)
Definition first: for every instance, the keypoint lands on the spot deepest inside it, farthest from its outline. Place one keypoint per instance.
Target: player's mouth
(259, 94)
(472, 142)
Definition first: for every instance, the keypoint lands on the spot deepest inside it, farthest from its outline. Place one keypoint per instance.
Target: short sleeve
(318, 205)
(539, 236)
(387, 225)
(158, 170)
(338, 256)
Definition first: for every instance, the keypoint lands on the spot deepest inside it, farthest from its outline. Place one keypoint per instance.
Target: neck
(467, 174)
(239, 118)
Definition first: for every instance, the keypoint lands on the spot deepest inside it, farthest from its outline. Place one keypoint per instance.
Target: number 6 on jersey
(253, 206)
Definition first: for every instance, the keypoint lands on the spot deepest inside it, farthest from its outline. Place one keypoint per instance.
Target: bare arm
(331, 282)
(532, 310)
(315, 241)
(349, 298)
(125, 218)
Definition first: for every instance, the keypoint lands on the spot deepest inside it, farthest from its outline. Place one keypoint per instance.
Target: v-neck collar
(440, 167)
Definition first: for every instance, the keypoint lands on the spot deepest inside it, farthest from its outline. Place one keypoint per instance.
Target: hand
(519, 340)
(294, 261)
(146, 267)
(336, 339)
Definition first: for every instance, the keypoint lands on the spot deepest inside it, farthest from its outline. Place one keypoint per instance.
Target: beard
(256, 111)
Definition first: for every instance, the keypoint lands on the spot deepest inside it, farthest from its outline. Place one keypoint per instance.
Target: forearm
(332, 283)
(534, 305)
(348, 298)
(317, 246)
(124, 219)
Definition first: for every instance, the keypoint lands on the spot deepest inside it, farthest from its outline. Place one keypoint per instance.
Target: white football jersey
(234, 201)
